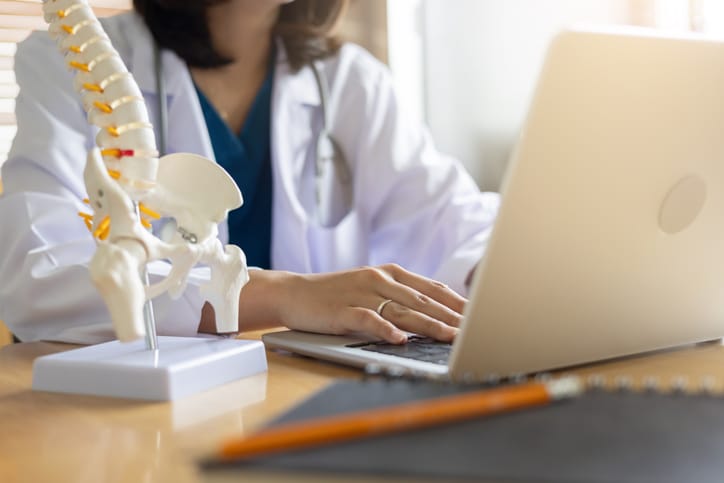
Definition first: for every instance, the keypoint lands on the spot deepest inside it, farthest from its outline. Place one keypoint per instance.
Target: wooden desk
(60, 437)
(5, 335)
(56, 437)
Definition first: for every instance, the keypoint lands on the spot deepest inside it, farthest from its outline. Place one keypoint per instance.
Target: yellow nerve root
(148, 211)
(103, 228)
(79, 66)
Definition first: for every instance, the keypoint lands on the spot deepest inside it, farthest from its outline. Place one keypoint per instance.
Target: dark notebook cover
(599, 437)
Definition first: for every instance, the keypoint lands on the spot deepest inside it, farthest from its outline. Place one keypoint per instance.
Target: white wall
(480, 60)
(406, 53)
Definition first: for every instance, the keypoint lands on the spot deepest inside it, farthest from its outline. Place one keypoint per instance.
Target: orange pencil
(401, 417)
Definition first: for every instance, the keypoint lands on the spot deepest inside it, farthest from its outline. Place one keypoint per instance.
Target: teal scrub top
(247, 158)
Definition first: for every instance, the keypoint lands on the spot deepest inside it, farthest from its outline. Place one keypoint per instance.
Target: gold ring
(381, 307)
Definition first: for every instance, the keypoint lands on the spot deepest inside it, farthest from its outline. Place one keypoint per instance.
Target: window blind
(17, 19)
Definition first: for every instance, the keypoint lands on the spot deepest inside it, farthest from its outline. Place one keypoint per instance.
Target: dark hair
(305, 27)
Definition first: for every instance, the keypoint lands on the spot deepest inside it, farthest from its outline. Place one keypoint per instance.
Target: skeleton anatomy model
(128, 185)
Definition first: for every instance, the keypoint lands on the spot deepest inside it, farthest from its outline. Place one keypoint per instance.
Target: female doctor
(348, 205)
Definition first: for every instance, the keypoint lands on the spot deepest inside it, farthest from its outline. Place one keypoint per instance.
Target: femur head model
(128, 186)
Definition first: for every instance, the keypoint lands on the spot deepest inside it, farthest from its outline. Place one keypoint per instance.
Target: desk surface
(60, 437)
(57, 437)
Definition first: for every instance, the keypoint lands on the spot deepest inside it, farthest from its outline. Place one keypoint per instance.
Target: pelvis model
(128, 186)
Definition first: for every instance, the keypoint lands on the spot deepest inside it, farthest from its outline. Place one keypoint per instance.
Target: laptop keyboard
(419, 348)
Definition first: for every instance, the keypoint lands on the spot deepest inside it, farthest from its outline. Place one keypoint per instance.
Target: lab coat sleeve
(425, 211)
(46, 292)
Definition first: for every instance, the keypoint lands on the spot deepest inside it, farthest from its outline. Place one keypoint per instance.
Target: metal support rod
(148, 318)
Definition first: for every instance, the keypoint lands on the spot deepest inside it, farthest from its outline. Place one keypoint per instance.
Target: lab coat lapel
(293, 99)
(186, 126)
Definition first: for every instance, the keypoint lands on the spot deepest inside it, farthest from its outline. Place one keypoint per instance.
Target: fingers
(369, 322)
(410, 298)
(433, 289)
(409, 302)
(411, 320)
(392, 322)
(395, 317)
(415, 292)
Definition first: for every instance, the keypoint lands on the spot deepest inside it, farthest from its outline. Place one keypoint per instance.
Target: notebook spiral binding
(679, 384)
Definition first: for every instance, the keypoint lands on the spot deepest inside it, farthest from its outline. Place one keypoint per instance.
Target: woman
(240, 89)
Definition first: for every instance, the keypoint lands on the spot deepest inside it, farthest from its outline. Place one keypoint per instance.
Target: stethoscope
(333, 188)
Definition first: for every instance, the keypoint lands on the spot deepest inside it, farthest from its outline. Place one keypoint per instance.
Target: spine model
(128, 185)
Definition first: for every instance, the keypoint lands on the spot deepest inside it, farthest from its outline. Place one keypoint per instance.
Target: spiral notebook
(602, 436)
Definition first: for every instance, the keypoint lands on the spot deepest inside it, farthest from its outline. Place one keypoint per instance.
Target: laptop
(610, 237)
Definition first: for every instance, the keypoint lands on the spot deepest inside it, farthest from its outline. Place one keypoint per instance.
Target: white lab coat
(412, 205)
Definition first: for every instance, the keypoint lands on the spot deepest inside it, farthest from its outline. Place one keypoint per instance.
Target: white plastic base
(181, 366)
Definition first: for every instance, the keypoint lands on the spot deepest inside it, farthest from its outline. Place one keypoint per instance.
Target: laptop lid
(610, 236)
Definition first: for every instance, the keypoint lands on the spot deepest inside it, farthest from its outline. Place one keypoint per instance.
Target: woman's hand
(352, 301)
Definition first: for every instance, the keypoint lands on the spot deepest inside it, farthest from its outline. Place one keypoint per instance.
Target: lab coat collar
(301, 86)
